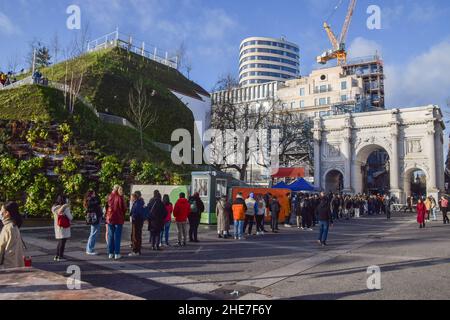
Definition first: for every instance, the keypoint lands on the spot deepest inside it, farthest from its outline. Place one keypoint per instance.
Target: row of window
(254, 81)
(267, 58)
(323, 88)
(273, 51)
(317, 102)
(264, 73)
(269, 43)
(268, 66)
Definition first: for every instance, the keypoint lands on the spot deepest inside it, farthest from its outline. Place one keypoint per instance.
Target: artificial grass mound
(110, 74)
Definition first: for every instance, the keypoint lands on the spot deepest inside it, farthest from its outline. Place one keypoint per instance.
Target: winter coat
(223, 217)
(137, 211)
(275, 207)
(421, 212)
(428, 204)
(181, 210)
(196, 215)
(239, 208)
(116, 209)
(169, 209)
(260, 208)
(157, 215)
(61, 233)
(250, 203)
(323, 211)
(11, 246)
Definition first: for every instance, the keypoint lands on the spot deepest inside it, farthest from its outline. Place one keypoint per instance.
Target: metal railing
(115, 39)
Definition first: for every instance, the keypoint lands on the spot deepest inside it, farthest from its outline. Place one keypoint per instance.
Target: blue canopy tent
(281, 185)
(301, 185)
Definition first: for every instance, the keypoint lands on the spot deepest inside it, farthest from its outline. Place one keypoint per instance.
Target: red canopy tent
(293, 173)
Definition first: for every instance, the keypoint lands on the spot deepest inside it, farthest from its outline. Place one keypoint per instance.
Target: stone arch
(361, 156)
(406, 178)
(327, 173)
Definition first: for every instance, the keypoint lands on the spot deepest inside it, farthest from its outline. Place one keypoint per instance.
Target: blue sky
(414, 40)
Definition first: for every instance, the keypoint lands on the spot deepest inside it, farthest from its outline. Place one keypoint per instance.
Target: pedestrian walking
(197, 208)
(115, 219)
(444, 209)
(388, 201)
(62, 218)
(260, 213)
(428, 208)
(307, 213)
(298, 212)
(156, 217)
(433, 208)
(421, 213)
(285, 204)
(223, 220)
(11, 243)
(325, 220)
(94, 214)
(239, 208)
(181, 212)
(137, 217)
(167, 221)
(275, 209)
(250, 202)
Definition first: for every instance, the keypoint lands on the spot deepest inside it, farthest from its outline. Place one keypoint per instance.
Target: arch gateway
(412, 140)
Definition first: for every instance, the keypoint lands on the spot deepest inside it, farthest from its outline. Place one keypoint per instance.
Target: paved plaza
(290, 265)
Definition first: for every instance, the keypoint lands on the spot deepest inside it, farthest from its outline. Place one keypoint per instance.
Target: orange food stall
(281, 194)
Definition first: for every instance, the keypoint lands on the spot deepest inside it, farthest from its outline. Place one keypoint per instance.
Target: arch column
(431, 145)
(317, 154)
(395, 161)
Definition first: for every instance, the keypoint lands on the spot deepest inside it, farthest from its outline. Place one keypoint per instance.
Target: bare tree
(56, 47)
(181, 54)
(188, 66)
(226, 82)
(13, 63)
(140, 108)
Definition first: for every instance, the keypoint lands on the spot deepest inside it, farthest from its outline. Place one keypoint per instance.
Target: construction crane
(339, 51)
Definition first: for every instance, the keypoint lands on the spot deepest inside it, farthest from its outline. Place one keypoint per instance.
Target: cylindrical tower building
(264, 60)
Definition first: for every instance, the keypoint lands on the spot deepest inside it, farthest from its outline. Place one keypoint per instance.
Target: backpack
(91, 218)
(194, 207)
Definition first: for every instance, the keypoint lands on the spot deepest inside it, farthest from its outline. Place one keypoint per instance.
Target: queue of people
(7, 79)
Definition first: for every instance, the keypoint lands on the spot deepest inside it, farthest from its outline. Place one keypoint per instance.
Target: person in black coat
(197, 208)
(306, 213)
(275, 209)
(325, 218)
(157, 214)
(92, 205)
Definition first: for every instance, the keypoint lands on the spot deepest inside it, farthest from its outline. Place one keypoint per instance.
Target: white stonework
(412, 137)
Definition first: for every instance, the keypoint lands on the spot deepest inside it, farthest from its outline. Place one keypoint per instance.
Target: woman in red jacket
(421, 212)
(115, 218)
(181, 212)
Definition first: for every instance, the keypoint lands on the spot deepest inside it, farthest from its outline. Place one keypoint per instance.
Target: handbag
(63, 221)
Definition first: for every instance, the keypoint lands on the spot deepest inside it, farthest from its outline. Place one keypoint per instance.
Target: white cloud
(7, 27)
(423, 80)
(361, 47)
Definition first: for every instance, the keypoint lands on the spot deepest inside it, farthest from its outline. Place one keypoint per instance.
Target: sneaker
(236, 238)
(262, 233)
(111, 256)
(117, 257)
(134, 254)
(287, 226)
(92, 253)
(319, 242)
(302, 228)
(56, 258)
(310, 229)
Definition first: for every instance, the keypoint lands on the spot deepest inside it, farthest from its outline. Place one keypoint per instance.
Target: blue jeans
(434, 213)
(114, 238)
(238, 228)
(95, 230)
(323, 235)
(165, 232)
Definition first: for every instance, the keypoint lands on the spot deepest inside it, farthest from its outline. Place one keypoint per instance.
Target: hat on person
(252, 195)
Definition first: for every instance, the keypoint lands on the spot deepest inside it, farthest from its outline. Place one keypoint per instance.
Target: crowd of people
(7, 79)
(310, 210)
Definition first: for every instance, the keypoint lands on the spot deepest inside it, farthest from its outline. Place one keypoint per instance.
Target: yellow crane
(338, 51)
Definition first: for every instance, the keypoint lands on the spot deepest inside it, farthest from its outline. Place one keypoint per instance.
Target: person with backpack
(137, 217)
(11, 243)
(239, 208)
(181, 212)
(249, 213)
(197, 208)
(223, 220)
(115, 219)
(444, 209)
(167, 221)
(157, 216)
(62, 219)
(94, 215)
